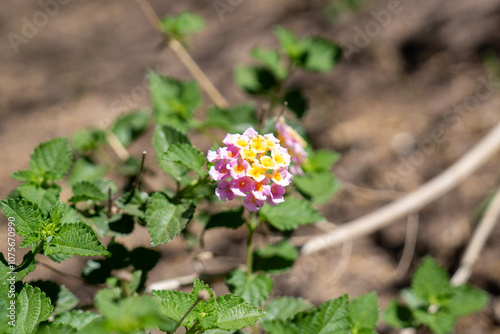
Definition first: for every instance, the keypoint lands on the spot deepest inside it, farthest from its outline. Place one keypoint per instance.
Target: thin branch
(262, 114)
(110, 202)
(345, 258)
(117, 146)
(369, 193)
(172, 283)
(477, 241)
(185, 58)
(414, 201)
(137, 178)
(410, 244)
(61, 273)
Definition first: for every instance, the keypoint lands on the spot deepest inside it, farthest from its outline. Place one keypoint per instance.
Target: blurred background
(418, 86)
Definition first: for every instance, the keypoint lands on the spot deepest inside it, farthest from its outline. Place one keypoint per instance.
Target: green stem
(193, 329)
(185, 315)
(38, 248)
(249, 250)
(252, 225)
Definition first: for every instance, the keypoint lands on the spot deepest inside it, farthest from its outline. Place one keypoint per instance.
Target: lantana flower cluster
(290, 139)
(252, 166)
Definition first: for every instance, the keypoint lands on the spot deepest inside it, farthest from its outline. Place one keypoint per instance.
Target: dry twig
(477, 241)
(185, 58)
(410, 244)
(414, 201)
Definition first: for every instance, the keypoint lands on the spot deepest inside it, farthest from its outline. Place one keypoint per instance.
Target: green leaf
(52, 159)
(129, 126)
(319, 187)
(289, 43)
(7, 318)
(32, 308)
(199, 286)
(296, 102)
(397, 316)
(363, 313)
(18, 272)
(233, 120)
(62, 299)
(290, 214)
(466, 300)
(163, 138)
(129, 314)
(330, 317)
(88, 139)
(229, 219)
(431, 282)
(180, 26)
(284, 308)
(440, 322)
(255, 80)
(27, 175)
(75, 239)
(65, 301)
(205, 311)
(28, 216)
(174, 304)
(62, 213)
(166, 220)
(133, 205)
(57, 212)
(174, 101)
(76, 319)
(321, 54)
(272, 59)
(321, 160)
(85, 170)
(275, 258)
(186, 155)
(44, 197)
(85, 190)
(254, 289)
(234, 313)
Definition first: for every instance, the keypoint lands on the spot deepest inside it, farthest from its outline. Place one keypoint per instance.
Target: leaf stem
(252, 225)
(186, 314)
(138, 178)
(193, 329)
(249, 252)
(110, 202)
(38, 248)
(185, 58)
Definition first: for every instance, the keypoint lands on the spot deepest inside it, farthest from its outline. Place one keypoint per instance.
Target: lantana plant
(257, 167)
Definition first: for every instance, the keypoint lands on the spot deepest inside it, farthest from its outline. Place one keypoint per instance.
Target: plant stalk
(186, 314)
(185, 58)
(249, 251)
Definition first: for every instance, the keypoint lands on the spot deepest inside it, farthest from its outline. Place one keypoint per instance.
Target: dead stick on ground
(477, 241)
(185, 58)
(410, 244)
(414, 201)
(117, 146)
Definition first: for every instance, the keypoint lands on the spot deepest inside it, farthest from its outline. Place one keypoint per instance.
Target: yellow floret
(267, 162)
(248, 154)
(259, 144)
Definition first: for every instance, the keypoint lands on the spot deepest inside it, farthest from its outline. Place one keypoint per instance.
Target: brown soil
(382, 108)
